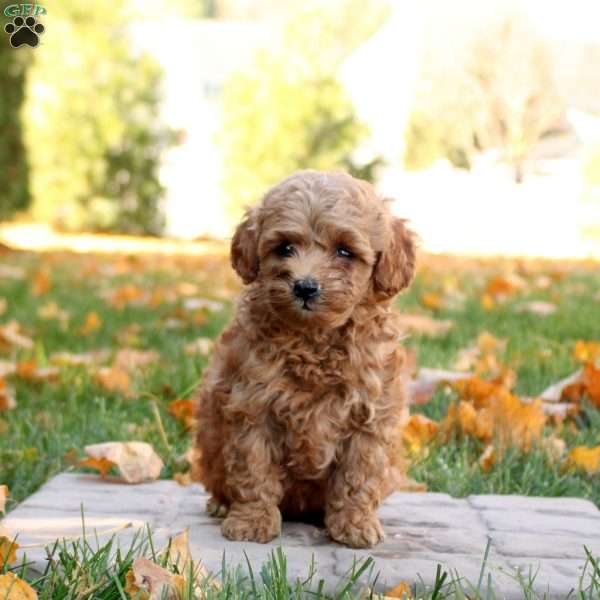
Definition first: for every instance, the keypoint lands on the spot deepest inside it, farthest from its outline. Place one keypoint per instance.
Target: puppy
(300, 409)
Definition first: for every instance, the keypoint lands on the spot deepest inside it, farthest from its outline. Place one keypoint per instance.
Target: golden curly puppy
(300, 409)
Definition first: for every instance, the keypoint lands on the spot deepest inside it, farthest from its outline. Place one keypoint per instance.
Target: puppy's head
(320, 244)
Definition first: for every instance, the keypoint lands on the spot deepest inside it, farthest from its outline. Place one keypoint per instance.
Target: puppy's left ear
(244, 247)
(396, 264)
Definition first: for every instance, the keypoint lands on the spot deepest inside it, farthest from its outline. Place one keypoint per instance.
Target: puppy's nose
(306, 289)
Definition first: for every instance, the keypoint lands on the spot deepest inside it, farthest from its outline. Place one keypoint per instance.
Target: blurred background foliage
(498, 93)
(14, 192)
(91, 124)
(288, 111)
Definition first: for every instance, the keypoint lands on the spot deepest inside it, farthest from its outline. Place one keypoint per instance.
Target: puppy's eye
(344, 252)
(285, 249)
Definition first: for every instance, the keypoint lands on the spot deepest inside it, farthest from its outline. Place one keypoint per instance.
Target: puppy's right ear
(244, 247)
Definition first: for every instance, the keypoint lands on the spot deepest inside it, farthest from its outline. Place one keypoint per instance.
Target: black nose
(306, 289)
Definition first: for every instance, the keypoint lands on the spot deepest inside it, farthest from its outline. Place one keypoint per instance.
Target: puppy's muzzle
(306, 289)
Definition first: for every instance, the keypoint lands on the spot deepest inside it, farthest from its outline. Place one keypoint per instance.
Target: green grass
(54, 418)
(87, 569)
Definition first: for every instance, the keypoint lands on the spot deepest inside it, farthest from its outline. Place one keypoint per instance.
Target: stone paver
(543, 535)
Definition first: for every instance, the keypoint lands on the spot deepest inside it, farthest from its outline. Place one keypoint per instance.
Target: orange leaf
(136, 461)
(487, 301)
(402, 590)
(586, 351)
(488, 458)
(500, 286)
(125, 295)
(8, 551)
(183, 411)
(7, 396)
(41, 283)
(432, 300)
(584, 458)
(419, 431)
(92, 323)
(14, 588)
(102, 465)
(114, 379)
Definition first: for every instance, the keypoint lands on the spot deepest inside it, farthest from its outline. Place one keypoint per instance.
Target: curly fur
(300, 409)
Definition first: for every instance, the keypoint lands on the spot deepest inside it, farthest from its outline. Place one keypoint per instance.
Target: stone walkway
(546, 535)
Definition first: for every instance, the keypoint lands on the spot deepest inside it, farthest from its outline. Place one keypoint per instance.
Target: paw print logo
(24, 31)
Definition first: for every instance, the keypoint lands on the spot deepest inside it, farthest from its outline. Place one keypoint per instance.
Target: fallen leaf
(432, 300)
(147, 581)
(553, 393)
(7, 396)
(136, 461)
(14, 588)
(92, 323)
(194, 304)
(537, 307)
(3, 497)
(586, 351)
(202, 346)
(41, 283)
(11, 336)
(126, 294)
(183, 411)
(102, 465)
(403, 591)
(114, 379)
(83, 359)
(29, 371)
(8, 551)
(422, 388)
(129, 359)
(51, 310)
(588, 385)
(584, 458)
(418, 432)
(554, 447)
(424, 325)
(183, 479)
(488, 458)
(487, 302)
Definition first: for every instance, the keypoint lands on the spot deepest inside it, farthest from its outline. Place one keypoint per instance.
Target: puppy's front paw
(216, 508)
(364, 533)
(252, 524)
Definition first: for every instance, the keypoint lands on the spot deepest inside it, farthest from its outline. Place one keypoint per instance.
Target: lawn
(82, 304)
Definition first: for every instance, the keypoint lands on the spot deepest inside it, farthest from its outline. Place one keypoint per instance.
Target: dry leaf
(418, 432)
(41, 283)
(114, 379)
(424, 325)
(3, 497)
(92, 323)
(586, 351)
(488, 458)
(183, 479)
(136, 461)
(11, 336)
(588, 386)
(7, 396)
(183, 411)
(584, 458)
(202, 346)
(403, 591)
(83, 359)
(29, 371)
(553, 393)
(147, 581)
(554, 447)
(14, 588)
(126, 294)
(102, 465)
(129, 359)
(432, 300)
(51, 310)
(8, 551)
(537, 307)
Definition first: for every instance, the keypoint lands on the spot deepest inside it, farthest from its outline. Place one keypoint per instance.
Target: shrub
(92, 130)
